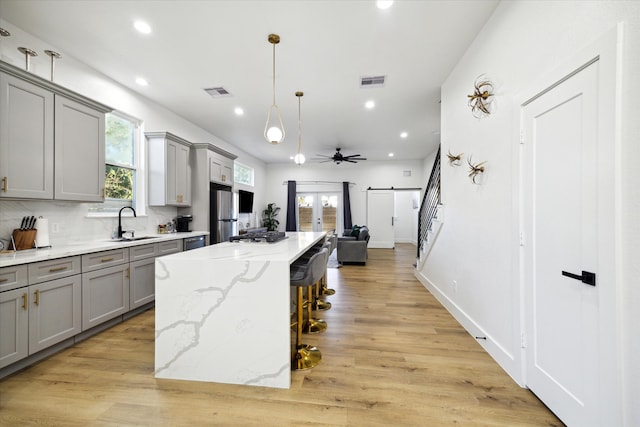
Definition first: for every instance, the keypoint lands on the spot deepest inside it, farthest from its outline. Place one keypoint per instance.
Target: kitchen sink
(133, 239)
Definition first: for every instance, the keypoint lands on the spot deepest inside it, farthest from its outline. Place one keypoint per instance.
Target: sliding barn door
(380, 204)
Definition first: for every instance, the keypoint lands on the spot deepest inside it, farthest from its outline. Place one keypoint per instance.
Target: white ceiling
(325, 48)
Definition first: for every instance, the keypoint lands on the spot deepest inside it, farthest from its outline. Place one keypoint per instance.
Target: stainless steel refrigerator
(222, 217)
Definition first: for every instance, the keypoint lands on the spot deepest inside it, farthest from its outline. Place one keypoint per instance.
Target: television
(245, 200)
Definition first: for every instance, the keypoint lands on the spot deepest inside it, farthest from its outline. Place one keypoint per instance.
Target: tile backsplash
(72, 222)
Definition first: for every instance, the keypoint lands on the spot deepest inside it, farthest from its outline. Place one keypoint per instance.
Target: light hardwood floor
(392, 356)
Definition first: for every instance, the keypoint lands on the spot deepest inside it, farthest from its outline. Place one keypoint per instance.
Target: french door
(317, 211)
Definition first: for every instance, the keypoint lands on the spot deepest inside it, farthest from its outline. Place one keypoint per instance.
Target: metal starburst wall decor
(475, 169)
(480, 100)
(454, 160)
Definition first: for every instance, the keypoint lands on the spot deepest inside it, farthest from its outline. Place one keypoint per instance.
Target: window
(121, 148)
(242, 174)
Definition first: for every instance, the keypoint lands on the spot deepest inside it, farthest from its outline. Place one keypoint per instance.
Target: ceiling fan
(338, 157)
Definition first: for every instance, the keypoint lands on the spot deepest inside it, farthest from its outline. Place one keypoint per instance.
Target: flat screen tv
(245, 199)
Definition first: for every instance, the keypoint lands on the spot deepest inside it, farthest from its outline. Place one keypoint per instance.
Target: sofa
(352, 245)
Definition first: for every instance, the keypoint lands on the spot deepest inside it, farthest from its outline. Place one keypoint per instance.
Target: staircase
(430, 215)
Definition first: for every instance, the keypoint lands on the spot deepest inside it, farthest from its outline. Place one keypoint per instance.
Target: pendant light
(274, 132)
(299, 158)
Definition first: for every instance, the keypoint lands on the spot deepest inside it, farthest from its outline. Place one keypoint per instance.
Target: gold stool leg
(313, 326)
(319, 304)
(323, 289)
(306, 356)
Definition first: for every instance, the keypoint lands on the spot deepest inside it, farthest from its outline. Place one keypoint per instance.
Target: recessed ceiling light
(142, 27)
(384, 4)
(239, 111)
(390, 154)
(404, 135)
(142, 82)
(370, 104)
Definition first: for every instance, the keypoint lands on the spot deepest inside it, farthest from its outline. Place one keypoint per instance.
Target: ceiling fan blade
(353, 155)
(349, 160)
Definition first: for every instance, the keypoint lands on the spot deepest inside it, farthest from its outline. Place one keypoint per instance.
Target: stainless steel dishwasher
(194, 242)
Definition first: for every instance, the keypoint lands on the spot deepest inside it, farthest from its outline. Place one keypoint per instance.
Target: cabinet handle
(53, 270)
(128, 272)
(106, 259)
(24, 301)
(37, 294)
(5, 184)
(4, 279)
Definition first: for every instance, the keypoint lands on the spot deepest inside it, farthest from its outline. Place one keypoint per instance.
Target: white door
(380, 205)
(562, 200)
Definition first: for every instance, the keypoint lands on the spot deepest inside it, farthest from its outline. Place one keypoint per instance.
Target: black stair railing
(430, 203)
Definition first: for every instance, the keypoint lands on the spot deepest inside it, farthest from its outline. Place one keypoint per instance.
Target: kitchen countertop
(287, 249)
(33, 255)
(223, 312)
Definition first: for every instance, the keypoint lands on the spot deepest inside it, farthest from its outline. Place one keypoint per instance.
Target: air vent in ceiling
(217, 92)
(373, 81)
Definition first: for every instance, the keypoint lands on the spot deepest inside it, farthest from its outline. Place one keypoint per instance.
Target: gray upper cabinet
(51, 140)
(79, 152)
(26, 139)
(169, 170)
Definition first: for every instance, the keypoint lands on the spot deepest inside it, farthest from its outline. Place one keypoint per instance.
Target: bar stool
(305, 276)
(333, 239)
(319, 304)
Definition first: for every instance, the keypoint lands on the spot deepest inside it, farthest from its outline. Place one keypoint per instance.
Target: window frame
(108, 207)
(237, 165)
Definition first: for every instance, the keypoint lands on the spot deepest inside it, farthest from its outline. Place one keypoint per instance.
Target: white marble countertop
(223, 312)
(288, 249)
(80, 248)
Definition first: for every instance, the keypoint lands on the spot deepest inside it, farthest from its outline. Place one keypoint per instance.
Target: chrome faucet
(120, 232)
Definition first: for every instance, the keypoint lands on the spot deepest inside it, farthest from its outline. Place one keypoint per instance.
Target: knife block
(24, 239)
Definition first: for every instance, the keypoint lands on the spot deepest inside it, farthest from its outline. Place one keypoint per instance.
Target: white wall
(521, 42)
(72, 74)
(364, 174)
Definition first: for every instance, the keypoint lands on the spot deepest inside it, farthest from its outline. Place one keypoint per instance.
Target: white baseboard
(504, 358)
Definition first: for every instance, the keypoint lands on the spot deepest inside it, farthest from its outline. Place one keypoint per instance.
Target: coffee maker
(182, 223)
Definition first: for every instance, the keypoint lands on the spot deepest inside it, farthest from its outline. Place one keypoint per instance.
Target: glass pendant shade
(299, 159)
(273, 128)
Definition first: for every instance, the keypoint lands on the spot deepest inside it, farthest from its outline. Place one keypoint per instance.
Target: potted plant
(269, 217)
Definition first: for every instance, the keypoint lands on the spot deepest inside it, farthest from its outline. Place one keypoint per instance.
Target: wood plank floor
(392, 356)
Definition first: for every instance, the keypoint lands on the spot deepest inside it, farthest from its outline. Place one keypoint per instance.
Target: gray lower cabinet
(47, 302)
(143, 286)
(105, 295)
(54, 312)
(35, 317)
(14, 326)
(143, 267)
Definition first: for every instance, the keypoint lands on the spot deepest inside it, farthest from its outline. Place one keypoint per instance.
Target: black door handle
(587, 277)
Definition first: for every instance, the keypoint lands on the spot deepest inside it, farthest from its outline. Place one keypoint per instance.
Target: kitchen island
(223, 312)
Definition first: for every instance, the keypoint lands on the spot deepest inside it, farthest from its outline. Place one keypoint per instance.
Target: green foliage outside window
(119, 154)
(118, 183)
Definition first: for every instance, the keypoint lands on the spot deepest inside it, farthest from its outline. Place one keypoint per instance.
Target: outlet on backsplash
(55, 228)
